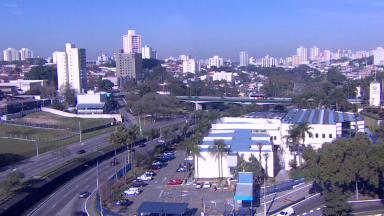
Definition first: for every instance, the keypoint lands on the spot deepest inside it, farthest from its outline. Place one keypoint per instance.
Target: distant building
(25, 53)
(244, 61)
(295, 60)
(227, 76)
(71, 68)
(313, 52)
(148, 53)
(132, 42)
(185, 57)
(11, 54)
(268, 61)
(215, 61)
(302, 52)
(189, 66)
(326, 55)
(378, 55)
(92, 103)
(128, 66)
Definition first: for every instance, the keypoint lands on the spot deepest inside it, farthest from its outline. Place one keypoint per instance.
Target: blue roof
(318, 116)
(241, 140)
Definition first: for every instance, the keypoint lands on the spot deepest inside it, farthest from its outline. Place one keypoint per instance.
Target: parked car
(181, 169)
(123, 202)
(190, 158)
(84, 194)
(142, 145)
(154, 167)
(138, 183)
(114, 163)
(162, 159)
(207, 185)
(150, 173)
(81, 151)
(79, 213)
(132, 191)
(145, 178)
(174, 182)
(185, 164)
(169, 153)
(198, 185)
(158, 163)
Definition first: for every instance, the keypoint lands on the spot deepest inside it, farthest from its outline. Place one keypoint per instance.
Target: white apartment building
(185, 57)
(268, 61)
(132, 42)
(189, 66)
(215, 61)
(148, 53)
(244, 61)
(25, 53)
(378, 55)
(374, 94)
(326, 55)
(302, 52)
(227, 76)
(243, 134)
(313, 52)
(11, 54)
(71, 68)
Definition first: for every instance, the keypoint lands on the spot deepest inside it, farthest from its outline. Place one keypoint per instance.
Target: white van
(132, 191)
(288, 211)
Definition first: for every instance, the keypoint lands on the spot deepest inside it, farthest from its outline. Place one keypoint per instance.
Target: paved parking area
(157, 190)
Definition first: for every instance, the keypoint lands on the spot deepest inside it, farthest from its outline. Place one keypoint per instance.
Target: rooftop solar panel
(296, 117)
(326, 117)
(316, 117)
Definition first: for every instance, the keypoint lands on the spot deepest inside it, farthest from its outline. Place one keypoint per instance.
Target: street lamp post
(37, 148)
(97, 185)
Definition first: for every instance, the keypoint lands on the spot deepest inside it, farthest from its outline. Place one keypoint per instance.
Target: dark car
(123, 202)
(114, 163)
(82, 151)
(150, 173)
(154, 167)
(84, 194)
(142, 145)
(79, 213)
(138, 184)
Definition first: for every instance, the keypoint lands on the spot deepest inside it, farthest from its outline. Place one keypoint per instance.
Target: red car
(174, 182)
(154, 167)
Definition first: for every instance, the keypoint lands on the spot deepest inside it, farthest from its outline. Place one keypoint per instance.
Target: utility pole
(98, 189)
(79, 132)
(37, 148)
(266, 175)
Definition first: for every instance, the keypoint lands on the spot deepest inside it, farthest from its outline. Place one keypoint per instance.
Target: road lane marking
(161, 193)
(77, 186)
(318, 209)
(53, 206)
(311, 211)
(164, 179)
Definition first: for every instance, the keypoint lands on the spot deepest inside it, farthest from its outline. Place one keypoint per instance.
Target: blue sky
(202, 28)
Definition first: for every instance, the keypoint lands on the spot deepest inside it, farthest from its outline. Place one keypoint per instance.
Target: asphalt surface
(66, 200)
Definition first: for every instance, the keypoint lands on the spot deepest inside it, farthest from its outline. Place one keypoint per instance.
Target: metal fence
(282, 186)
(35, 125)
(240, 212)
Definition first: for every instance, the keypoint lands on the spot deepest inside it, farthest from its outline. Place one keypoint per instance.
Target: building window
(323, 135)
(274, 138)
(310, 135)
(330, 135)
(317, 135)
(271, 138)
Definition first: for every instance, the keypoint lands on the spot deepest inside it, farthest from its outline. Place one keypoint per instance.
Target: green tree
(151, 63)
(116, 139)
(293, 137)
(189, 146)
(43, 73)
(104, 85)
(303, 128)
(133, 133)
(11, 180)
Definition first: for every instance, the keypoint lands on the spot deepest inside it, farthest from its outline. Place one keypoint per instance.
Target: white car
(145, 178)
(288, 211)
(190, 158)
(198, 185)
(207, 185)
(132, 191)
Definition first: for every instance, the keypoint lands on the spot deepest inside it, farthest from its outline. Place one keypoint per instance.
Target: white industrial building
(92, 103)
(242, 135)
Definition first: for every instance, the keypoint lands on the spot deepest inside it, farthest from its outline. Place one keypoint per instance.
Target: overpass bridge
(199, 100)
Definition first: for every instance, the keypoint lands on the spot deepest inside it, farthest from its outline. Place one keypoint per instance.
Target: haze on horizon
(202, 28)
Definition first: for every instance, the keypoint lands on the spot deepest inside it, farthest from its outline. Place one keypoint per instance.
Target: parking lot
(157, 190)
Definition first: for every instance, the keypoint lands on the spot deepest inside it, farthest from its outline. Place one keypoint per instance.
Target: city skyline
(262, 28)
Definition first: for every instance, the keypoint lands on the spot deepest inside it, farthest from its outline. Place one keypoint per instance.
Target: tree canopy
(43, 72)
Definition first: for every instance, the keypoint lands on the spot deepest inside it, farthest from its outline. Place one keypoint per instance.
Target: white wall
(91, 98)
(117, 117)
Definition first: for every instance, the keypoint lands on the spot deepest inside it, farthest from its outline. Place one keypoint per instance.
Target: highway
(35, 165)
(66, 200)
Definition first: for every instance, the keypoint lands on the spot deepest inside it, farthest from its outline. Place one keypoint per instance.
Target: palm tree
(169, 134)
(115, 139)
(260, 145)
(218, 150)
(293, 136)
(304, 128)
(133, 132)
(189, 146)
